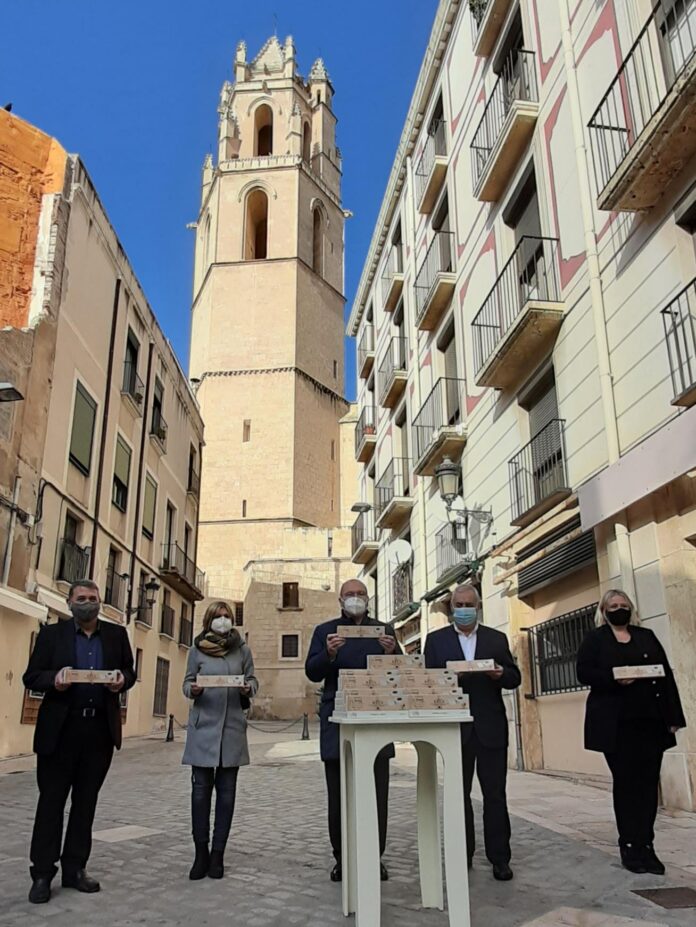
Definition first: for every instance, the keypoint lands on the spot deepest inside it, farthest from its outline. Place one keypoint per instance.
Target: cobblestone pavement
(566, 872)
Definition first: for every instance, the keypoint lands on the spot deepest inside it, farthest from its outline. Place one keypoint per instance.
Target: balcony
(506, 127)
(451, 551)
(488, 17)
(167, 620)
(73, 563)
(520, 319)
(364, 538)
(438, 431)
(402, 591)
(392, 373)
(432, 167)
(132, 388)
(679, 319)
(181, 573)
(185, 632)
(158, 430)
(366, 435)
(193, 486)
(393, 499)
(538, 478)
(366, 352)
(115, 590)
(643, 131)
(393, 278)
(435, 281)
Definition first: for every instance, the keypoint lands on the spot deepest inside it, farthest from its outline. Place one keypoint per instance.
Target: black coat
(318, 667)
(54, 649)
(597, 656)
(485, 694)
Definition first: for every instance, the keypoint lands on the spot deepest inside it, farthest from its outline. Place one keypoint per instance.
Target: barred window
(290, 646)
(553, 648)
(159, 708)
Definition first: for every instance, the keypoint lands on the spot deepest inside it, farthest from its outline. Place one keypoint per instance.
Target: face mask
(84, 612)
(465, 617)
(354, 606)
(221, 625)
(618, 616)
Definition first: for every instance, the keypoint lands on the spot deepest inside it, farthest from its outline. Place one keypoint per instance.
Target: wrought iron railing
(363, 529)
(114, 589)
(517, 81)
(395, 481)
(366, 426)
(194, 482)
(439, 259)
(402, 587)
(435, 146)
(167, 620)
(451, 548)
(679, 320)
(441, 409)
(394, 265)
(366, 345)
(158, 427)
(530, 274)
(539, 469)
(132, 385)
(185, 631)
(175, 560)
(73, 562)
(553, 649)
(393, 362)
(655, 61)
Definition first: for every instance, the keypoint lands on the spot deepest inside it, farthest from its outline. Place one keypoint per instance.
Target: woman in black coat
(631, 721)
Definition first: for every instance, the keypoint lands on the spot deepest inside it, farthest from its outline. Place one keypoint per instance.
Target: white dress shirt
(468, 643)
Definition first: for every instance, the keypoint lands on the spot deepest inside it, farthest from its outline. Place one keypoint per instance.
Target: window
(246, 435)
(290, 646)
(263, 124)
(244, 508)
(256, 231)
(112, 586)
(73, 561)
(157, 403)
(139, 663)
(306, 143)
(130, 367)
(333, 450)
(169, 537)
(335, 369)
(238, 614)
(317, 242)
(554, 649)
(159, 708)
(187, 540)
(72, 528)
(84, 416)
(149, 507)
(291, 595)
(119, 495)
(448, 364)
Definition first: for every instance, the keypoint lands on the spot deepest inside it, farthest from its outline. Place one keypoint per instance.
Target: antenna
(275, 25)
(400, 552)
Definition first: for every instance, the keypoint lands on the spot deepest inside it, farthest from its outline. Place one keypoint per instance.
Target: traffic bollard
(305, 727)
(170, 729)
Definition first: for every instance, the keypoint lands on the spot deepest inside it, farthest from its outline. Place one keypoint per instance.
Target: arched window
(307, 143)
(317, 243)
(263, 126)
(256, 228)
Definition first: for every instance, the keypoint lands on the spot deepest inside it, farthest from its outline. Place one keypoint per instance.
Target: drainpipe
(611, 429)
(104, 429)
(7, 559)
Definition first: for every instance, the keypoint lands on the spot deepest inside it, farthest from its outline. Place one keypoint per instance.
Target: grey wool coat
(216, 733)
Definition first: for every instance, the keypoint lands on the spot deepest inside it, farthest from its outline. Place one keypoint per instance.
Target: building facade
(526, 312)
(100, 460)
(267, 358)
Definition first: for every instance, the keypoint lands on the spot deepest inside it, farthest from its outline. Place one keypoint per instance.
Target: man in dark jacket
(329, 653)
(485, 740)
(76, 731)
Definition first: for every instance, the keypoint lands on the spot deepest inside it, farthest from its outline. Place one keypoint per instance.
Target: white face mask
(355, 606)
(221, 625)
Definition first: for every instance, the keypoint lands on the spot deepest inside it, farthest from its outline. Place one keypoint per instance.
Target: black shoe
(383, 873)
(216, 869)
(40, 891)
(652, 863)
(336, 873)
(81, 881)
(632, 859)
(199, 870)
(502, 872)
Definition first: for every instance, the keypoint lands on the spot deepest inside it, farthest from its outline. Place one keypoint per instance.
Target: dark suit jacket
(54, 649)
(318, 667)
(485, 694)
(596, 658)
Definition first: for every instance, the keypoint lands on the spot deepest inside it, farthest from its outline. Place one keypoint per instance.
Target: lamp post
(447, 474)
(150, 588)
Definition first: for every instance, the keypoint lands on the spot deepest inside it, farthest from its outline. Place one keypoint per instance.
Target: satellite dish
(400, 552)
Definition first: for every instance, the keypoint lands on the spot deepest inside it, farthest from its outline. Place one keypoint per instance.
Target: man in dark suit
(329, 653)
(485, 740)
(76, 731)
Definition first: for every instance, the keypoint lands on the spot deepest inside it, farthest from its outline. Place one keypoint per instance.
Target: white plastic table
(361, 739)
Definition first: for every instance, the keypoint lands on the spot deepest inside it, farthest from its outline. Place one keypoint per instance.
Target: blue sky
(133, 88)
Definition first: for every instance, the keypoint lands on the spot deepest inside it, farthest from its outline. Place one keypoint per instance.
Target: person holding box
(632, 720)
(216, 741)
(485, 741)
(329, 652)
(78, 726)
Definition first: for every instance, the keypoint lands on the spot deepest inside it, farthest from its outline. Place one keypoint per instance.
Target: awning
(14, 601)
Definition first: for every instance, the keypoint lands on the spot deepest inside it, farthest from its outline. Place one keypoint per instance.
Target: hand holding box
(220, 682)
(644, 671)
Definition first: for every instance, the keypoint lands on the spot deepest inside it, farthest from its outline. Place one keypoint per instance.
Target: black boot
(216, 870)
(653, 864)
(632, 859)
(201, 863)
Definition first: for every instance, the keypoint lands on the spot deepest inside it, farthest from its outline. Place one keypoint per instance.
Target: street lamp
(447, 475)
(361, 507)
(150, 590)
(9, 393)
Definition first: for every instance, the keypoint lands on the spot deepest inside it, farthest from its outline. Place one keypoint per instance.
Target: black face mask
(619, 616)
(84, 612)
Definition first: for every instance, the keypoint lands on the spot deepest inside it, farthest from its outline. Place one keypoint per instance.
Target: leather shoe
(632, 859)
(336, 873)
(383, 873)
(502, 872)
(40, 891)
(81, 881)
(653, 864)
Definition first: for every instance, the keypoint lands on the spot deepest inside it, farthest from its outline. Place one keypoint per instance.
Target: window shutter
(122, 463)
(544, 410)
(82, 429)
(149, 506)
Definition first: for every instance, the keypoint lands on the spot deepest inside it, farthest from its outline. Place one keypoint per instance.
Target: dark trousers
(635, 768)
(332, 769)
(203, 779)
(77, 767)
(490, 764)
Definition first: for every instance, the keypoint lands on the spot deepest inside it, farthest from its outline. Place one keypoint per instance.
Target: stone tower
(267, 321)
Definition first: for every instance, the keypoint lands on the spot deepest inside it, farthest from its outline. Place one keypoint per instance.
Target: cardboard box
(362, 679)
(220, 682)
(472, 666)
(359, 630)
(422, 678)
(98, 677)
(644, 671)
(386, 661)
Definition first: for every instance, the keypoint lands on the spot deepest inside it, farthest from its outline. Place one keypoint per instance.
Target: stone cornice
(298, 371)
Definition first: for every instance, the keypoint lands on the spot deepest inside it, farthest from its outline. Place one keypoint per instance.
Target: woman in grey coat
(216, 742)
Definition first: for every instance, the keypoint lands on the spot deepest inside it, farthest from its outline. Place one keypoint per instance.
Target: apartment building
(100, 468)
(526, 347)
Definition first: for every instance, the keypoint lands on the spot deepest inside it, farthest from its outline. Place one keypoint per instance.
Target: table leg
(455, 839)
(366, 871)
(348, 810)
(429, 854)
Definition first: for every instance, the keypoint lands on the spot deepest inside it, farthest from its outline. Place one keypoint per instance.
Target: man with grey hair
(485, 740)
